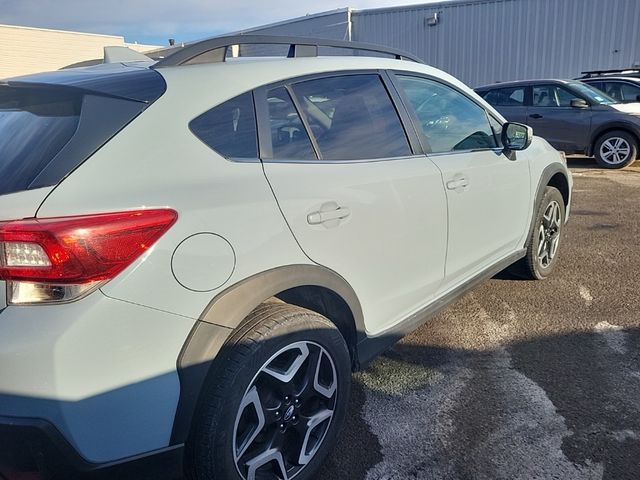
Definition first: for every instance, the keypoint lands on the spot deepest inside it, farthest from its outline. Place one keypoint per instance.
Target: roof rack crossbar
(615, 70)
(298, 50)
(298, 47)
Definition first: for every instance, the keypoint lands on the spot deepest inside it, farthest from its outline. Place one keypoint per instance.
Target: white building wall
(25, 50)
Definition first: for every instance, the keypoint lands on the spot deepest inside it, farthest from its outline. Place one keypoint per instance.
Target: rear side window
(352, 118)
(34, 126)
(449, 120)
(506, 97)
(289, 138)
(613, 90)
(229, 128)
(630, 93)
(623, 92)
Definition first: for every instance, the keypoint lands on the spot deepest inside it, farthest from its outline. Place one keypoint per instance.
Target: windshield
(593, 94)
(34, 126)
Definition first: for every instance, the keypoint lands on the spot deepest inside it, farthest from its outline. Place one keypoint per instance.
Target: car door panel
(487, 193)
(514, 114)
(565, 128)
(552, 118)
(389, 241)
(488, 213)
(381, 223)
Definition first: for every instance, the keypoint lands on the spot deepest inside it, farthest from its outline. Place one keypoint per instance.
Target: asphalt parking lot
(518, 379)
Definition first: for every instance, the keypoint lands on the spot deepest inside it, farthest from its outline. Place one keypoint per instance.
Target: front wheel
(544, 243)
(276, 407)
(616, 149)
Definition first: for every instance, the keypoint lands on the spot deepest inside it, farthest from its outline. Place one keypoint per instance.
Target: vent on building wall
(432, 20)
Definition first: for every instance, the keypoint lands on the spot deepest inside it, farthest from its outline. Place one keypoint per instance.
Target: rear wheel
(616, 149)
(277, 407)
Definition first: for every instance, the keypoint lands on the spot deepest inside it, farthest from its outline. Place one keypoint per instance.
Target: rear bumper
(34, 448)
(101, 371)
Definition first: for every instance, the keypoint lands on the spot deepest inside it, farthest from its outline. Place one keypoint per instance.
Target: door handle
(457, 183)
(329, 215)
(535, 115)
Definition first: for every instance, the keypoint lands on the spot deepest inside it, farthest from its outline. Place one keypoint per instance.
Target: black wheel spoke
(285, 412)
(549, 234)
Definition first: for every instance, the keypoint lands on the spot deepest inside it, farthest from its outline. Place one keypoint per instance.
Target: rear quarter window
(505, 97)
(229, 128)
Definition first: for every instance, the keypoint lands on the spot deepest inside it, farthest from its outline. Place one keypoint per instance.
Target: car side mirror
(516, 136)
(579, 103)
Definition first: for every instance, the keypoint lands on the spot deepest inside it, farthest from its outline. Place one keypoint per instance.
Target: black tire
(269, 329)
(620, 157)
(531, 267)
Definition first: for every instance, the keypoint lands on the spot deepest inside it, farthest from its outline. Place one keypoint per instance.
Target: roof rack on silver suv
(216, 49)
(632, 71)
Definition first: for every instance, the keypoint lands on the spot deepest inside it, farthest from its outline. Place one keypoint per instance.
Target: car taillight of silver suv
(60, 259)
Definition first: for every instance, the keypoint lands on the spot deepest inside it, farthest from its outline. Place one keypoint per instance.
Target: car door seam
(284, 217)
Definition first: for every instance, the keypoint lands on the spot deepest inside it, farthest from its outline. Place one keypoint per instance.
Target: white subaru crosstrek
(197, 251)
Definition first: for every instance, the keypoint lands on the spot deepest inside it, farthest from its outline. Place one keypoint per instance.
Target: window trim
(305, 122)
(265, 148)
(393, 74)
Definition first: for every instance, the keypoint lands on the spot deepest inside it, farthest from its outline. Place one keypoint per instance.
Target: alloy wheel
(615, 150)
(285, 413)
(549, 234)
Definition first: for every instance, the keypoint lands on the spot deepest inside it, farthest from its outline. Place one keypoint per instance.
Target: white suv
(197, 251)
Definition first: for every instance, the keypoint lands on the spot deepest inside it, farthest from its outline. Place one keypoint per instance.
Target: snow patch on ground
(419, 428)
(586, 295)
(614, 335)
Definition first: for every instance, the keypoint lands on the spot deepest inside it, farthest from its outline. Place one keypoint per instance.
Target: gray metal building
(484, 41)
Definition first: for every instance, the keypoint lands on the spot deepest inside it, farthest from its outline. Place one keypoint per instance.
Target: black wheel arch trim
(628, 127)
(547, 174)
(231, 306)
(227, 310)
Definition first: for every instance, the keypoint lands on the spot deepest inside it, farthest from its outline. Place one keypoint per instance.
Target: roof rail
(589, 73)
(216, 49)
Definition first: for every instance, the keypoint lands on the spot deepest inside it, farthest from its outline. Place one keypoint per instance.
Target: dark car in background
(573, 116)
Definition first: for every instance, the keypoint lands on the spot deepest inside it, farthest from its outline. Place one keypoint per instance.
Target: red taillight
(78, 250)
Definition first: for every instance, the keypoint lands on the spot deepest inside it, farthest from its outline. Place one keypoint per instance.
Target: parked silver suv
(197, 251)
